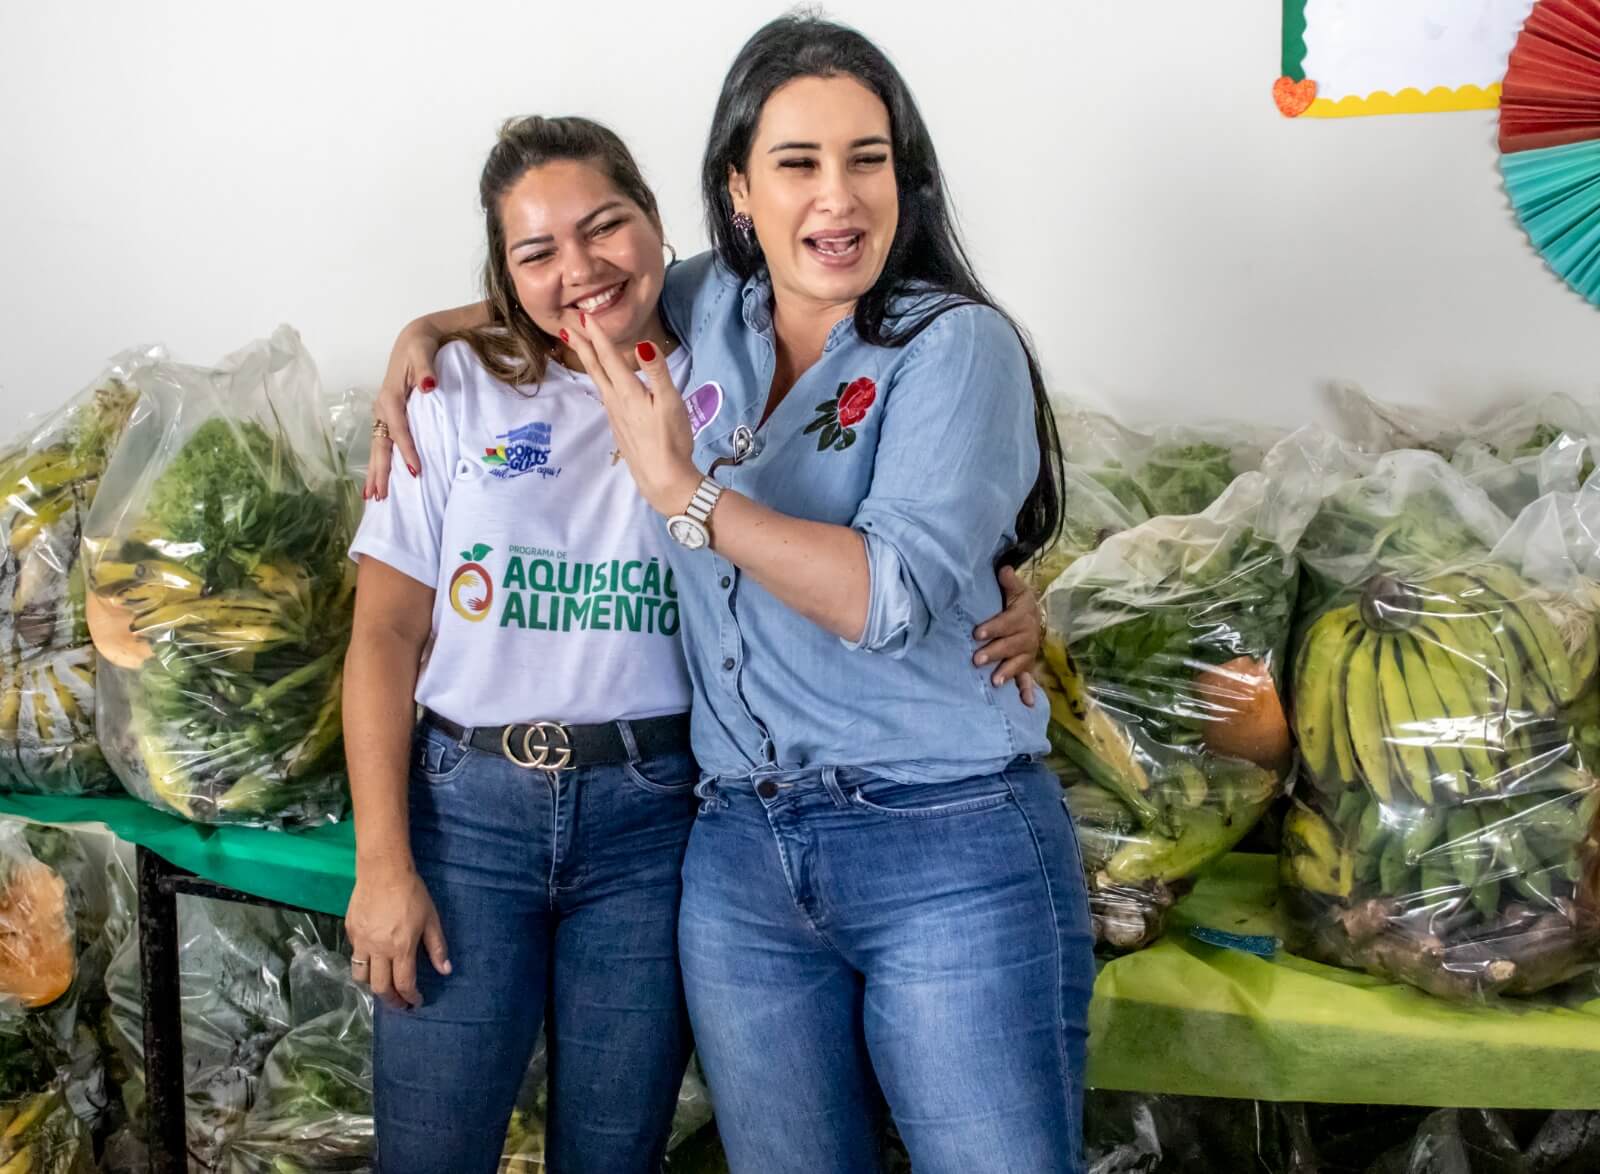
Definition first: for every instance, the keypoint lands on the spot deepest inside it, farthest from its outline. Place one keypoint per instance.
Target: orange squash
(1249, 722)
(37, 953)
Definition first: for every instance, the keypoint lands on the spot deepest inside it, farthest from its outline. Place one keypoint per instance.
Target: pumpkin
(38, 955)
(1249, 722)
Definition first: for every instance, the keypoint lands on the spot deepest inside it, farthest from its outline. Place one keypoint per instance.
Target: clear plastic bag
(48, 481)
(313, 1111)
(220, 597)
(1448, 719)
(1139, 1133)
(1164, 650)
(1516, 453)
(234, 966)
(40, 1134)
(1116, 478)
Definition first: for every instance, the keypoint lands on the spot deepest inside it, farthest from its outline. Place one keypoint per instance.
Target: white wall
(194, 172)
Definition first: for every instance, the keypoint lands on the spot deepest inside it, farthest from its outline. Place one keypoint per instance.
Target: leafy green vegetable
(1186, 478)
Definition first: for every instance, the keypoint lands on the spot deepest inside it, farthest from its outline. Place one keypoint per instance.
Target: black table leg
(163, 1023)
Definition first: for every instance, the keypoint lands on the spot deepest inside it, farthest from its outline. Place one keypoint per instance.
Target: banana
(1467, 851)
(1533, 627)
(1448, 669)
(1365, 718)
(1319, 672)
(1087, 722)
(44, 722)
(1393, 871)
(1447, 764)
(1418, 840)
(73, 711)
(1486, 898)
(10, 708)
(30, 1115)
(38, 477)
(1482, 635)
(210, 612)
(32, 520)
(1408, 741)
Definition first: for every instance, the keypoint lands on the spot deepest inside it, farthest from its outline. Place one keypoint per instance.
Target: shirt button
(767, 789)
(726, 582)
(727, 664)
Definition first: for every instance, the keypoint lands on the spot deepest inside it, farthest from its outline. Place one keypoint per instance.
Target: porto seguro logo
(471, 586)
(522, 450)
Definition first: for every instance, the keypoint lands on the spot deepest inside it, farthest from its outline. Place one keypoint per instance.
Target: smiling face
(820, 187)
(575, 244)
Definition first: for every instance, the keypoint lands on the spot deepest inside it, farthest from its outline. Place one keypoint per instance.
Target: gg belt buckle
(545, 746)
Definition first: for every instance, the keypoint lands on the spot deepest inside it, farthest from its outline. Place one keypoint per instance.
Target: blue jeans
(558, 892)
(841, 933)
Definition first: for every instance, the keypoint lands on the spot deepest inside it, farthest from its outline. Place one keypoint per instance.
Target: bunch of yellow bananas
(164, 599)
(1463, 685)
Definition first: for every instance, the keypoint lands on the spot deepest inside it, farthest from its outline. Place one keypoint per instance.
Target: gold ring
(380, 428)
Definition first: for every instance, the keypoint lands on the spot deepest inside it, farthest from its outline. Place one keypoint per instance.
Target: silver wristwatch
(692, 528)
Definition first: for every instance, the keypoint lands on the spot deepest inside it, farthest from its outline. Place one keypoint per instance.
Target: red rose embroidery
(834, 425)
(855, 401)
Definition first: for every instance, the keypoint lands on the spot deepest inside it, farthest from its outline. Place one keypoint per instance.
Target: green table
(1180, 1017)
(313, 869)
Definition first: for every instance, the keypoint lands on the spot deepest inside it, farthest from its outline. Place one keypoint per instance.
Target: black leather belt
(544, 745)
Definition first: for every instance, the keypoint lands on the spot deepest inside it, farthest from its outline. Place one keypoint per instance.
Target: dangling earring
(745, 227)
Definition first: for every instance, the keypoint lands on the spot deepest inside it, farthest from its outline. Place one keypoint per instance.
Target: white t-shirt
(553, 598)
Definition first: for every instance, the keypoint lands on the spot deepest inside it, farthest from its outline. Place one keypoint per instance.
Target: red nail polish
(565, 337)
(647, 351)
(412, 469)
(366, 494)
(428, 384)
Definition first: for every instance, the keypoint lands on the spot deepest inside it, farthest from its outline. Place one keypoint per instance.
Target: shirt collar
(757, 293)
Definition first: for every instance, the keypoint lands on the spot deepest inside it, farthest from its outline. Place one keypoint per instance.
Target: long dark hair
(927, 251)
(511, 345)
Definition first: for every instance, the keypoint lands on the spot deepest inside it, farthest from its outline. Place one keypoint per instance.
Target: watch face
(687, 532)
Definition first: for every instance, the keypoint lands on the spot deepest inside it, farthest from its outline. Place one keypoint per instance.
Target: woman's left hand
(648, 420)
(1014, 637)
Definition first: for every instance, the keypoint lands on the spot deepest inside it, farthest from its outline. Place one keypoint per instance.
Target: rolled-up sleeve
(956, 457)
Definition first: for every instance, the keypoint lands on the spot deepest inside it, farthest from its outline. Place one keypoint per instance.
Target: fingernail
(980, 659)
(412, 469)
(428, 383)
(366, 494)
(565, 337)
(583, 319)
(445, 969)
(982, 633)
(646, 351)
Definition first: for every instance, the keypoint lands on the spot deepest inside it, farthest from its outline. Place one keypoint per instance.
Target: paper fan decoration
(1550, 137)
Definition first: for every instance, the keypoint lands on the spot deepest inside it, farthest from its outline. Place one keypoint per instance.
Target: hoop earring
(672, 253)
(745, 227)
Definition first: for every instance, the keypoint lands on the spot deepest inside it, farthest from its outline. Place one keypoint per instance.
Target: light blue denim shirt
(928, 451)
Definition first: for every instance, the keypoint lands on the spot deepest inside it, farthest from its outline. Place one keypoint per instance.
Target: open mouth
(837, 247)
(602, 301)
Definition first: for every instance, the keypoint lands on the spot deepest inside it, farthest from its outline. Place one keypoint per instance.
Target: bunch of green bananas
(1462, 686)
(1529, 847)
(1489, 896)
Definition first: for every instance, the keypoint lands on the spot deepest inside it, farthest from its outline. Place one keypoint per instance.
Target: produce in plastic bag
(1515, 454)
(38, 938)
(48, 481)
(220, 597)
(1447, 712)
(234, 973)
(1116, 478)
(313, 1111)
(40, 1134)
(1164, 651)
